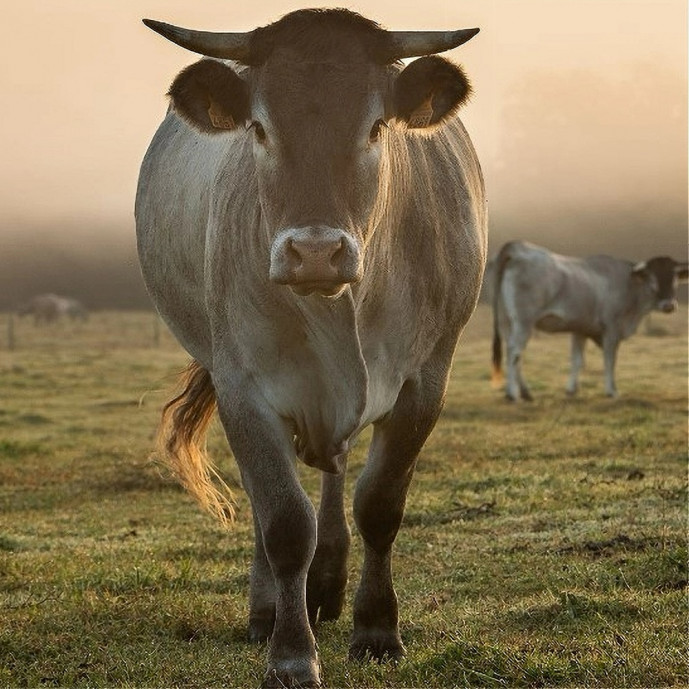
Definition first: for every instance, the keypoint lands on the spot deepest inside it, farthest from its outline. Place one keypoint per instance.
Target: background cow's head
(317, 92)
(661, 275)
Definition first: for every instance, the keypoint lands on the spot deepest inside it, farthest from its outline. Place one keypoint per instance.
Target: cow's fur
(303, 375)
(599, 298)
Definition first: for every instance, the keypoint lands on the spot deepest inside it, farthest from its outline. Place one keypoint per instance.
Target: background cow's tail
(181, 443)
(501, 260)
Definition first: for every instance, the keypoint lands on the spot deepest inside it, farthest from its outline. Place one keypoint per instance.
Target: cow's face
(318, 131)
(661, 275)
(315, 103)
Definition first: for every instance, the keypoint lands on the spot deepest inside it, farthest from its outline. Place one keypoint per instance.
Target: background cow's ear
(640, 270)
(682, 271)
(429, 90)
(210, 96)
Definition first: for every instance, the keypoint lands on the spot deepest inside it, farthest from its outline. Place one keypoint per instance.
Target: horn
(415, 43)
(227, 46)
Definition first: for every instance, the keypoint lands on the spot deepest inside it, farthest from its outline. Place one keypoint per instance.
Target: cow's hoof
(260, 629)
(276, 679)
(377, 645)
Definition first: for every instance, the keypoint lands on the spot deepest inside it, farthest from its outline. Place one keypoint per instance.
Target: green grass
(544, 544)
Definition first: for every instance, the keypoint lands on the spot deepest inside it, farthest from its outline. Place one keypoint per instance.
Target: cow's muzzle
(667, 305)
(321, 260)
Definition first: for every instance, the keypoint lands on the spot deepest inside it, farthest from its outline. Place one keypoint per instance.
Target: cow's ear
(428, 91)
(210, 96)
(640, 270)
(682, 271)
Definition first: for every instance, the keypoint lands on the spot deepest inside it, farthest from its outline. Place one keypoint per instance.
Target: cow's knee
(289, 537)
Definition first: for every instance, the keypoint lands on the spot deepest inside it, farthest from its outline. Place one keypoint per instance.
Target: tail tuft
(181, 443)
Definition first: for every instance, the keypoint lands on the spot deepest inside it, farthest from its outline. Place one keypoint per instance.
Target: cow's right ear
(210, 96)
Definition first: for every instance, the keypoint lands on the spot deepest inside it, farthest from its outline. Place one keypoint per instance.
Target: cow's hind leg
(516, 343)
(378, 508)
(327, 580)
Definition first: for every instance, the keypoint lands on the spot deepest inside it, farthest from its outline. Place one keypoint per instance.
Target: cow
(599, 298)
(49, 308)
(311, 224)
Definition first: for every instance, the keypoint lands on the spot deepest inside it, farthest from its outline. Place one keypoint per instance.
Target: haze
(579, 117)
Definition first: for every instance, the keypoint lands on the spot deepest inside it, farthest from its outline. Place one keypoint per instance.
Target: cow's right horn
(417, 43)
(226, 46)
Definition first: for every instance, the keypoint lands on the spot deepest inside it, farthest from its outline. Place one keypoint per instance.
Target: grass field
(544, 544)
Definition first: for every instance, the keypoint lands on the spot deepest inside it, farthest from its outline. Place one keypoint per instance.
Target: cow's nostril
(294, 258)
(338, 255)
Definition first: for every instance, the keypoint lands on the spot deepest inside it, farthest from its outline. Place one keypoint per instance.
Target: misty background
(579, 116)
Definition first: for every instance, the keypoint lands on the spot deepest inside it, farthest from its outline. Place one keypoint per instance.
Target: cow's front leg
(261, 591)
(325, 588)
(286, 522)
(379, 502)
(610, 345)
(578, 344)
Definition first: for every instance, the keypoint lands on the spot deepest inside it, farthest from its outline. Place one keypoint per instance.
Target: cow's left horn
(227, 46)
(415, 43)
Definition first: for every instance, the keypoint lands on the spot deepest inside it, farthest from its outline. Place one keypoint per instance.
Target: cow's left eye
(376, 128)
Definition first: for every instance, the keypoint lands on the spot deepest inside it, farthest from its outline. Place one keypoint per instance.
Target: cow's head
(661, 276)
(316, 93)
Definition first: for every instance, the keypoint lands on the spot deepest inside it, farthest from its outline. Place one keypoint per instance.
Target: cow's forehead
(304, 90)
(662, 266)
(333, 35)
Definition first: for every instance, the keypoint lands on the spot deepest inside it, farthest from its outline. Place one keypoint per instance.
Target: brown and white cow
(599, 298)
(311, 225)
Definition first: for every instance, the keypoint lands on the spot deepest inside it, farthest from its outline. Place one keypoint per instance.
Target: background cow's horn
(228, 46)
(415, 43)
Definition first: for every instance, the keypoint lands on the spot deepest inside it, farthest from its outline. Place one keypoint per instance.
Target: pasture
(543, 544)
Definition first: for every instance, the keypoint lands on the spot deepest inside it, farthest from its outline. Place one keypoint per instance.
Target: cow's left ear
(428, 91)
(682, 271)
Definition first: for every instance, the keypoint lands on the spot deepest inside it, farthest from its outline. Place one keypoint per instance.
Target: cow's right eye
(259, 132)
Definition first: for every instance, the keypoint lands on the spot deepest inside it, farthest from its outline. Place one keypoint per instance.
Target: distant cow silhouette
(48, 308)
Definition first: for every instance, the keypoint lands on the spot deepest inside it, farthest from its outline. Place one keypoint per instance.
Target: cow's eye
(376, 128)
(259, 132)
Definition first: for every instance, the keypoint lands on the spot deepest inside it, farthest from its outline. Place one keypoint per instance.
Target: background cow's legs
(325, 588)
(379, 501)
(578, 344)
(516, 343)
(610, 344)
(263, 448)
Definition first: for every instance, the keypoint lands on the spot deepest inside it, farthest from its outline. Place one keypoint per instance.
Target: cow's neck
(638, 304)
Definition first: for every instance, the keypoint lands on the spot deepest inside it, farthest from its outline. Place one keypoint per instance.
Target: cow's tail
(501, 260)
(181, 443)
